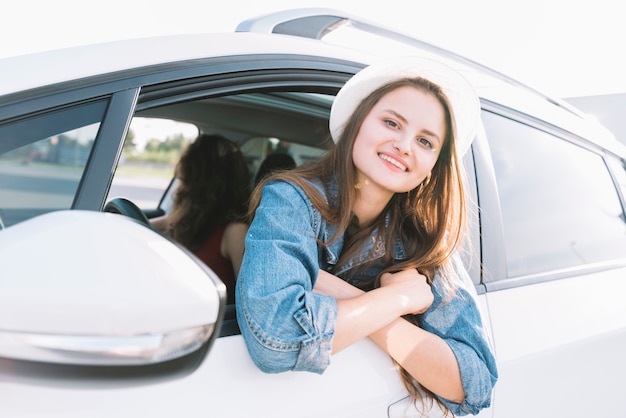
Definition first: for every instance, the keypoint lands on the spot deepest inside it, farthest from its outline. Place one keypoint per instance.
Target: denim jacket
(286, 326)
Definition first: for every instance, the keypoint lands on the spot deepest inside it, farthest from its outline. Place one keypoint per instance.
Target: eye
(391, 123)
(425, 143)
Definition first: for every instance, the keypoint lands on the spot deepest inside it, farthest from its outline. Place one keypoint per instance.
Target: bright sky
(565, 48)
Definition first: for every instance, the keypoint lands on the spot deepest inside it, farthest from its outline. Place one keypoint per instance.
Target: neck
(368, 208)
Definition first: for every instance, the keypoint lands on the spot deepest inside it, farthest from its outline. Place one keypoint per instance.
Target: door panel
(555, 262)
(558, 341)
(360, 382)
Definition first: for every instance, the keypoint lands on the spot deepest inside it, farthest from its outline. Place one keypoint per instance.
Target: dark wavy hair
(213, 191)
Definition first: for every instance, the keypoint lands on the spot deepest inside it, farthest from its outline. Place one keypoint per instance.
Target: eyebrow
(403, 119)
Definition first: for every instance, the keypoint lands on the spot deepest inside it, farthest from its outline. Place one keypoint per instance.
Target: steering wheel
(123, 206)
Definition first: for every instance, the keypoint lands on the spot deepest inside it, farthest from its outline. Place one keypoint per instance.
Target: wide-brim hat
(461, 95)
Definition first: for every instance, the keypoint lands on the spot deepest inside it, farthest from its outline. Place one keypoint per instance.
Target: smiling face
(399, 141)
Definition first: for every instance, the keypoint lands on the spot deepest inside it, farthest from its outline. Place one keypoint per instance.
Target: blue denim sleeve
(459, 323)
(284, 324)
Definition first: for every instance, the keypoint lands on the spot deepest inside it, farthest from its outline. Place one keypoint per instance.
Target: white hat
(460, 93)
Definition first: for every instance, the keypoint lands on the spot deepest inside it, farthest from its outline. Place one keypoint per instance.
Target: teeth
(394, 162)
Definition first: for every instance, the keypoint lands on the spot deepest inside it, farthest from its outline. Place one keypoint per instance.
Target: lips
(393, 162)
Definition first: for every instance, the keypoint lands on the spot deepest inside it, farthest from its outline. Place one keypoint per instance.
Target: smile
(393, 162)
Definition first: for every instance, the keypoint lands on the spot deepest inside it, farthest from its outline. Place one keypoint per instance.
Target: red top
(210, 253)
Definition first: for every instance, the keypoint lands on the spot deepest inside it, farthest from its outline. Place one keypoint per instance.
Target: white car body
(558, 334)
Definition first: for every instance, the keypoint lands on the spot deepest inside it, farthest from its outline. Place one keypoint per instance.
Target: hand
(413, 290)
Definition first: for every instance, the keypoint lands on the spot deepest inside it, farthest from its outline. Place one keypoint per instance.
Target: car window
(560, 207)
(262, 124)
(43, 158)
(257, 149)
(151, 149)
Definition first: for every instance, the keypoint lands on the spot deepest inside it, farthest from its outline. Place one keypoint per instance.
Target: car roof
(292, 32)
(46, 68)
(490, 84)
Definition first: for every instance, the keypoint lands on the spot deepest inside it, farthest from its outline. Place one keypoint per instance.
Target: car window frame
(134, 90)
(495, 276)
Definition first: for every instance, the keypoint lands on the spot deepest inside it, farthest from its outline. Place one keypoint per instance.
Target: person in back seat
(272, 163)
(207, 215)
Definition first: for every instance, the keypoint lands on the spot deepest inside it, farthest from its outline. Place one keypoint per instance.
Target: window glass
(560, 207)
(42, 160)
(257, 150)
(261, 124)
(151, 149)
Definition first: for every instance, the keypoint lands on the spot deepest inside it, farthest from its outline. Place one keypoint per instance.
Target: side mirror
(92, 288)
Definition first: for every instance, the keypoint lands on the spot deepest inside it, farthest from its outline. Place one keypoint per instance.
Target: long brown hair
(213, 191)
(430, 220)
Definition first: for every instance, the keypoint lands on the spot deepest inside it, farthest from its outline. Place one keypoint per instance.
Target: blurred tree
(152, 145)
(174, 143)
(130, 146)
(163, 151)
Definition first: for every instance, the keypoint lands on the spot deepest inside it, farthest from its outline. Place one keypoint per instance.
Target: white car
(101, 316)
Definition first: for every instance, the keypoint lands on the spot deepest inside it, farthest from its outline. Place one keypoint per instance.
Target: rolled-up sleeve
(459, 323)
(286, 326)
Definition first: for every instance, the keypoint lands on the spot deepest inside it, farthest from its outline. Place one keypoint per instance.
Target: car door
(554, 254)
(362, 381)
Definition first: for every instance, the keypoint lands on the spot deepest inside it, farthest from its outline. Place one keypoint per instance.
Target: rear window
(560, 207)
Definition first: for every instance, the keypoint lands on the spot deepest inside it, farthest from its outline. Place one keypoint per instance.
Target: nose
(402, 145)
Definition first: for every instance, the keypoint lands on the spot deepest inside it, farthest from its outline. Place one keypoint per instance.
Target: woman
(362, 243)
(210, 204)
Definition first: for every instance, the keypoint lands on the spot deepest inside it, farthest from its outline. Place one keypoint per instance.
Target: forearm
(424, 355)
(360, 316)
(359, 313)
(330, 285)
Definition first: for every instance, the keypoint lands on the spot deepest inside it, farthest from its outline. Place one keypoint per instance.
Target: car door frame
(522, 357)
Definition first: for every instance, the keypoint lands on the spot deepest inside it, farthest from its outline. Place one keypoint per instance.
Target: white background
(565, 48)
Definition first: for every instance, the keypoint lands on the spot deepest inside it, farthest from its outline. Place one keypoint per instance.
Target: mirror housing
(92, 288)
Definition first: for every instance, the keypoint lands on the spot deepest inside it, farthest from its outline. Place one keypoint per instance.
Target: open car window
(292, 123)
(146, 167)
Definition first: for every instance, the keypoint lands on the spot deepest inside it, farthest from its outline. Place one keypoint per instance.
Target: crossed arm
(378, 315)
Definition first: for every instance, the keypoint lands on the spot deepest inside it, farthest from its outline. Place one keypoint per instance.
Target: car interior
(261, 123)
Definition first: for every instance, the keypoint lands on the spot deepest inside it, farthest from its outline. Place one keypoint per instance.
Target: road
(145, 192)
(28, 190)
